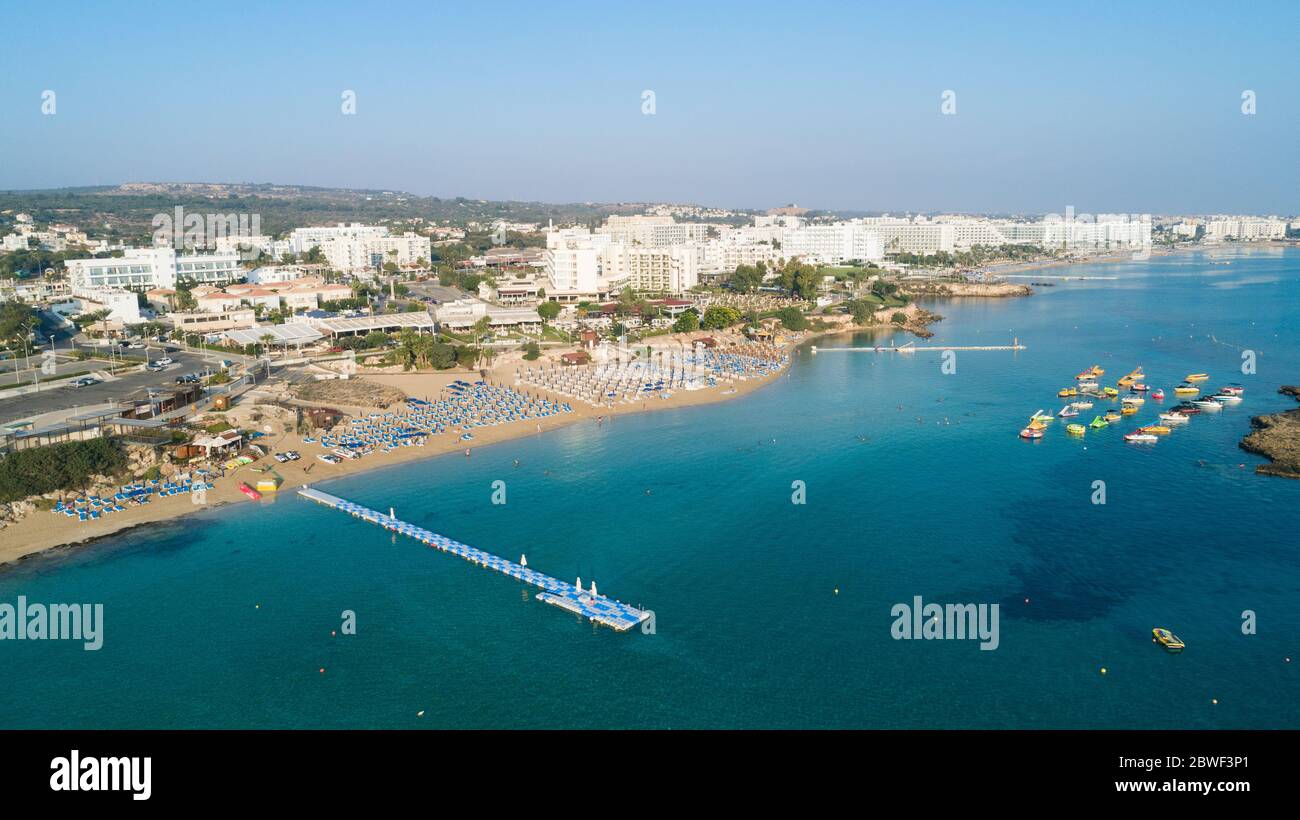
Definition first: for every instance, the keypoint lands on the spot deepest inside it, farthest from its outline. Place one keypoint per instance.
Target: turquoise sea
(916, 485)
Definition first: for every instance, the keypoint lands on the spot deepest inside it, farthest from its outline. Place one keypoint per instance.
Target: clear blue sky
(1104, 106)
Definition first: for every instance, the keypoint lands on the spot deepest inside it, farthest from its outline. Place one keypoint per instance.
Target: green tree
(688, 322)
(792, 318)
(718, 317)
(548, 311)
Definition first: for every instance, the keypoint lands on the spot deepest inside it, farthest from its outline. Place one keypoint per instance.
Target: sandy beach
(42, 531)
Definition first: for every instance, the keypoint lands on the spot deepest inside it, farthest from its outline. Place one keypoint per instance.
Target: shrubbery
(58, 467)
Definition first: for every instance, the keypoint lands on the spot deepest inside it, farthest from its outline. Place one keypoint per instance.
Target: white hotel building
(586, 266)
(1245, 228)
(352, 248)
(149, 268)
(833, 243)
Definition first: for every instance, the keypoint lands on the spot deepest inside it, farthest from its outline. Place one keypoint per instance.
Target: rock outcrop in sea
(1277, 438)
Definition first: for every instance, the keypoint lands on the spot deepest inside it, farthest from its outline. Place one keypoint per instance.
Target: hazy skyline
(1100, 107)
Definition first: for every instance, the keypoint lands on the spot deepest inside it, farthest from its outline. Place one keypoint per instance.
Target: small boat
(1186, 390)
(1042, 418)
(1187, 409)
(1031, 432)
(1076, 429)
(1167, 639)
(1067, 392)
(1068, 412)
(1136, 401)
(1112, 416)
(1081, 405)
(1110, 391)
(1091, 373)
(249, 491)
(1208, 405)
(1139, 388)
(1158, 394)
(1135, 376)
(1226, 398)
(1154, 429)
(1197, 377)
(1233, 390)
(1174, 418)
(1087, 387)
(1141, 438)
(1129, 409)
(1099, 423)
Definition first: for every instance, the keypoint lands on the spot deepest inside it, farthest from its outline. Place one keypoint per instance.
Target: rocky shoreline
(1277, 438)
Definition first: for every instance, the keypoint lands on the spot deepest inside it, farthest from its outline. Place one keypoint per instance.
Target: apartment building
(353, 248)
(1245, 228)
(148, 268)
(833, 243)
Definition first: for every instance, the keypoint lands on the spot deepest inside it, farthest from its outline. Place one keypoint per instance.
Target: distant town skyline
(1173, 109)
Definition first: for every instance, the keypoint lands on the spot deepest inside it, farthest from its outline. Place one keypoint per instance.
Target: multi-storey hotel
(833, 243)
(148, 268)
(352, 248)
(1245, 228)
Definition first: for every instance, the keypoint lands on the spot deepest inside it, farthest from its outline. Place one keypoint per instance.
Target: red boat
(249, 491)
(1157, 394)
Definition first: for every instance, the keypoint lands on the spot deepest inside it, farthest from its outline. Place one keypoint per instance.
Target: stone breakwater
(1277, 438)
(987, 290)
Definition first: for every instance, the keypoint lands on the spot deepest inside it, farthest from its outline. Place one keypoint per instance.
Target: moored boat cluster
(1128, 397)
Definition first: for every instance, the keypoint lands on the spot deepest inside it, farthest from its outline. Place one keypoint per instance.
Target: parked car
(293, 455)
(85, 381)
(281, 457)
(329, 459)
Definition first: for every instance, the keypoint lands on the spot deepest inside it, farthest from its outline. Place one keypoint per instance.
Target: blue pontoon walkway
(594, 607)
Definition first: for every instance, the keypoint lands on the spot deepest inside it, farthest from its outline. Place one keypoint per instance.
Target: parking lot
(126, 386)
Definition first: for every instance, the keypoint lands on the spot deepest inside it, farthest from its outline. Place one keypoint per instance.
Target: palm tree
(98, 316)
(481, 328)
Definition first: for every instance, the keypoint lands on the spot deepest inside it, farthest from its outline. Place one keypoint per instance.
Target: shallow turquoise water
(916, 485)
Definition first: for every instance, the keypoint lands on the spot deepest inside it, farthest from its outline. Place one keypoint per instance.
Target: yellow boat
(1135, 376)
(1158, 429)
(1167, 639)
(1136, 401)
(1110, 391)
(1128, 409)
(1067, 392)
(1197, 377)
(1186, 390)
(1112, 417)
(1076, 429)
(1091, 373)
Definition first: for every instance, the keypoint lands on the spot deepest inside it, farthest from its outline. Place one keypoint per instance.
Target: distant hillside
(128, 210)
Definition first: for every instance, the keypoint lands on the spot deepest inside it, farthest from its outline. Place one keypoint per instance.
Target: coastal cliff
(1277, 437)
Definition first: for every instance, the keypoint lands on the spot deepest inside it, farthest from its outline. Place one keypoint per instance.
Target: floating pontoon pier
(910, 347)
(598, 608)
